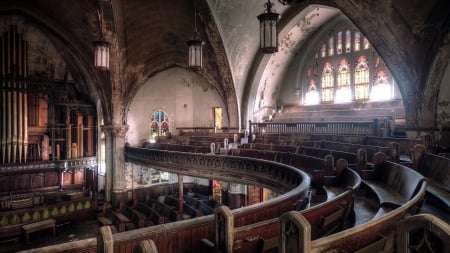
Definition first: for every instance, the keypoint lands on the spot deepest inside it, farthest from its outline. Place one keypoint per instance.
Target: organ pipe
(14, 133)
(4, 102)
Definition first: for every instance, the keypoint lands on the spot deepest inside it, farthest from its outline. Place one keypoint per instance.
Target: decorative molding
(115, 130)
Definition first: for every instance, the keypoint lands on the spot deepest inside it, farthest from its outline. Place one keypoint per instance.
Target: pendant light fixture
(101, 51)
(195, 46)
(101, 55)
(268, 30)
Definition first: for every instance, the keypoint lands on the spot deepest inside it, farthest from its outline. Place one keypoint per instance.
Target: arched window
(348, 41)
(323, 50)
(331, 46)
(381, 89)
(366, 43)
(327, 84)
(312, 95)
(348, 82)
(339, 43)
(343, 91)
(362, 79)
(159, 125)
(357, 43)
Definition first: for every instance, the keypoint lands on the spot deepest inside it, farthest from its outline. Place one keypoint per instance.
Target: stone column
(115, 183)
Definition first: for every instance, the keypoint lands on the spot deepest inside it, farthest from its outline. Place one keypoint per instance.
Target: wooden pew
(119, 220)
(436, 169)
(153, 215)
(38, 226)
(139, 219)
(393, 184)
(190, 212)
(325, 218)
(353, 148)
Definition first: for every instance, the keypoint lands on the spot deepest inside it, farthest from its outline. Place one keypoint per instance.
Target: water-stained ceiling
(150, 36)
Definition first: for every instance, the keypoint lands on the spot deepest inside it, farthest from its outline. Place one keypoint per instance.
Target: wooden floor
(365, 210)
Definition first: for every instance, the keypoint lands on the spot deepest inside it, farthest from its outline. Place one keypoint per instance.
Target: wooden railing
(276, 176)
(41, 166)
(326, 128)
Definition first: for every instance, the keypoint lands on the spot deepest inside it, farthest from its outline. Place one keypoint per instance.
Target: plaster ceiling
(150, 36)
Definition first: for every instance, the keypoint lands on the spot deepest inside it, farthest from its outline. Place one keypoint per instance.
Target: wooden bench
(437, 171)
(153, 215)
(392, 183)
(139, 219)
(190, 212)
(120, 221)
(38, 226)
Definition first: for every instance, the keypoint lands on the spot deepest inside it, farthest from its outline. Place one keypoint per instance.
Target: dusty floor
(64, 233)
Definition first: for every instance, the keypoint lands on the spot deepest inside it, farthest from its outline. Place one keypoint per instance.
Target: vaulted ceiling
(150, 36)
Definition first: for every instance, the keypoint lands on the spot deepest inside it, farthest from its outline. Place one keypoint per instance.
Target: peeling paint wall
(186, 98)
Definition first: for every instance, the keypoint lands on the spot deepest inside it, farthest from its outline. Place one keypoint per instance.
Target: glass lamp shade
(268, 30)
(195, 53)
(101, 59)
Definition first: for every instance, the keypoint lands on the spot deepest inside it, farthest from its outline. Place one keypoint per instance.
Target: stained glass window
(366, 43)
(329, 79)
(159, 125)
(381, 89)
(343, 90)
(348, 41)
(312, 94)
(339, 43)
(327, 85)
(362, 79)
(357, 43)
(331, 46)
(323, 50)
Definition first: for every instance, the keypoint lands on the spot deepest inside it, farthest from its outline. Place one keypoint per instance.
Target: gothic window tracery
(362, 79)
(159, 125)
(327, 85)
(381, 89)
(343, 92)
(339, 81)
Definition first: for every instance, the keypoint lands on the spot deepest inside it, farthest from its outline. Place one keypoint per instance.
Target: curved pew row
(436, 169)
(405, 145)
(405, 184)
(406, 235)
(190, 232)
(293, 183)
(325, 218)
(263, 236)
(256, 237)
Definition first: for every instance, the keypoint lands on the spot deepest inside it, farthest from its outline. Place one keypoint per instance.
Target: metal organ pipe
(14, 126)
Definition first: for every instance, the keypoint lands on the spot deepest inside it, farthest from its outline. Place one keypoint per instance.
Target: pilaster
(115, 184)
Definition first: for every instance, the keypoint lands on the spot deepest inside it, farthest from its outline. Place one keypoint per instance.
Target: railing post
(434, 229)
(250, 131)
(224, 229)
(105, 241)
(146, 246)
(295, 233)
(376, 127)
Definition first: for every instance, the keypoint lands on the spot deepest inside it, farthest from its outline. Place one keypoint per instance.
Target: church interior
(225, 126)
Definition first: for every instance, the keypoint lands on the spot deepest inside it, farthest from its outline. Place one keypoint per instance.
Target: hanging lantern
(101, 55)
(195, 52)
(195, 46)
(268, 30)
(288, 2)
